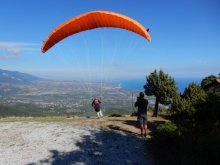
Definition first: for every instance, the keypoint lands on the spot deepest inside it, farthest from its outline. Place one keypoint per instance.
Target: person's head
(141, 95)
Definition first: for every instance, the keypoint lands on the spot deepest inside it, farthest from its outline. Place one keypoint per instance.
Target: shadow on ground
(132, 123)
(102, 146)
(152, 125)
(128, 122)
(117, 128)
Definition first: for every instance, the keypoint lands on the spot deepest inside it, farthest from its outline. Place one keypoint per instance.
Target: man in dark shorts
(142, 103)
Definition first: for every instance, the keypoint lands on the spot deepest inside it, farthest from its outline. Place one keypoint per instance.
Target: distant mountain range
(16, 77)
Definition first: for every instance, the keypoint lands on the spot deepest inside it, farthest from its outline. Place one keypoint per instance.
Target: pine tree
(186, 105)
(162, 86)
(208, 80)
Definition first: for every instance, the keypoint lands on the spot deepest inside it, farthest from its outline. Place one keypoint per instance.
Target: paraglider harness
(96, 105)
(96, 102)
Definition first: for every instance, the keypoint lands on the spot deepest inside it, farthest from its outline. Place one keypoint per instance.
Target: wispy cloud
(202, 62)
(12, 50)
(10, 57)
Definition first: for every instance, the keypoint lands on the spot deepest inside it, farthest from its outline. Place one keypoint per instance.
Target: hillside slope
(16, 77)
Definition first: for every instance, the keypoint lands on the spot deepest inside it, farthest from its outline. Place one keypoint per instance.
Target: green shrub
(166, 143)
(169, 133)
(150, 109)
(187, 143)
(193, 136)
(185, 106)
(208, 80)
(115, 114)
(201, 145)
(209, 110)
(134, 113)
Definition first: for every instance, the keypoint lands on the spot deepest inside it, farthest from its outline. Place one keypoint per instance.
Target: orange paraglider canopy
(92, 20)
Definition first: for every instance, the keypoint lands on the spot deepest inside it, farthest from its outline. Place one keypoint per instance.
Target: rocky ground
(75, 140)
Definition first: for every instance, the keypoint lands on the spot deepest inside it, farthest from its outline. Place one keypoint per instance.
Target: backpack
(96, 102)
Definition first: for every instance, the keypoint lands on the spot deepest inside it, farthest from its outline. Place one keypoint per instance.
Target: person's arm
(147, 102)
(136, 103)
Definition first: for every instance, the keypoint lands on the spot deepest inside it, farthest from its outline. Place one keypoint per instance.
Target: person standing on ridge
(142, 103)
(96, 104)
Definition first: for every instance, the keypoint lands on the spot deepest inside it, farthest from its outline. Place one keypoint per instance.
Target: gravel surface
(36, 143)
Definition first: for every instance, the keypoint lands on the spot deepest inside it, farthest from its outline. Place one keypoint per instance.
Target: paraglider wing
(92, 20)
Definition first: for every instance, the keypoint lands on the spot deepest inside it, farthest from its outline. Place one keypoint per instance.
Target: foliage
(185, 106)
(166, 143)
(208, 80)
(210, 109)
(169, 132)
(179, 107)
(163, 110)
(134, 113)
(162, 86)
(193, 135)
(196, 105)
(178, 143)
(150, 109)
(115, 114)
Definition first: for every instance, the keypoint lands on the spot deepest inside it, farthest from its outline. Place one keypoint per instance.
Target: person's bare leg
(142, 128)
(145, 129)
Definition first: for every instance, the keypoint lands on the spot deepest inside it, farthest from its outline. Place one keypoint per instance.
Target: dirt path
(127, 124)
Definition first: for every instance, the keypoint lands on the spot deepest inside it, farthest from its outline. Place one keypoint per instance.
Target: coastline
(138, 83)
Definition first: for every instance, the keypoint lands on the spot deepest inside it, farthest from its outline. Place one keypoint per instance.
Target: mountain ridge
(16, 77)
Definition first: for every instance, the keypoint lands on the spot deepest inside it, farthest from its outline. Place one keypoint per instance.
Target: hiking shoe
(141, 135)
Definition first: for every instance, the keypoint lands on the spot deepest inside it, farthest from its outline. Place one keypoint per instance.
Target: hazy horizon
(184, 39)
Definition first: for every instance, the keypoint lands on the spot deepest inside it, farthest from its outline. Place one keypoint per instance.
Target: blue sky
(185, 39)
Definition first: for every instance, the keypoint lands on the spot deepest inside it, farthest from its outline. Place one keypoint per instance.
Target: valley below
(47, 97)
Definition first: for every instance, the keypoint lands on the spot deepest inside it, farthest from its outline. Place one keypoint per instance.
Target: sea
(138, 83)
